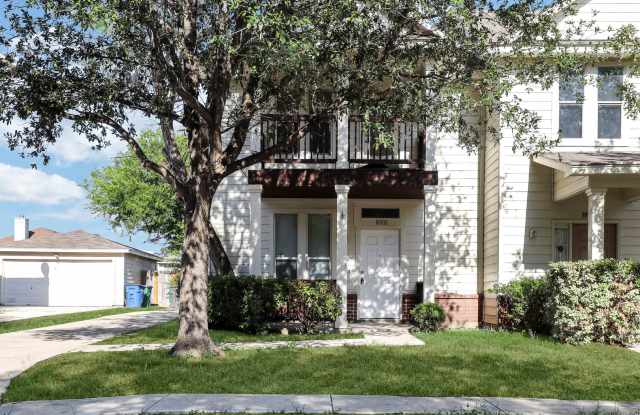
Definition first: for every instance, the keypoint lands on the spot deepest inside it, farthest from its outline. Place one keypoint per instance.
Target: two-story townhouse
(423, 219)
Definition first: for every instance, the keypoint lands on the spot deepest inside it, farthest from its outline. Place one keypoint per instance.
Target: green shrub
(253, 303)
(312, 304)
(522, 305)
(595, 301)
(427, 317)
(576, 302)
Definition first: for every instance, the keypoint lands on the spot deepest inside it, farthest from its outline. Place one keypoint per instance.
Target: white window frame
(609, 103)
(303, 238)
(277, 257)
(309, 258)
(590, 118)
(575, 103)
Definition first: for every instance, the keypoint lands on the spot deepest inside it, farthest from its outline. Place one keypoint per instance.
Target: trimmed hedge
(252, 303)
(595, 301)
(576, 302)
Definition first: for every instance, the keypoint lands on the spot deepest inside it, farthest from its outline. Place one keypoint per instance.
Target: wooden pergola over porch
(364, 183)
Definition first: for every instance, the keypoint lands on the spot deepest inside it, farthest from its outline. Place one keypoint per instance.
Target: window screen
(609, 102)
(286, 230)
(319, 245)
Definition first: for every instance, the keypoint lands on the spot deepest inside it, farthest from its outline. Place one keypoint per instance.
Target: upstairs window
(609, 102)
(571, 103)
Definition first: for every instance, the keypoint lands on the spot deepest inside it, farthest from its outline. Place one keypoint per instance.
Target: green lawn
(166, 333)
(45, 321)
(454, 363)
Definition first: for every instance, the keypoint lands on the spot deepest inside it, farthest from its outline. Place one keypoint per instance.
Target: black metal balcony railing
(404, 143)
(407, 144)
(318, 145)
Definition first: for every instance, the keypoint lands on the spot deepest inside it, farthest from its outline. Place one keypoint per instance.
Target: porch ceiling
(574, 173)
(588, 163)
(365, 183)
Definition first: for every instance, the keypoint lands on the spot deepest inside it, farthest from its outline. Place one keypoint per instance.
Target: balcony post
(342, 252)
(342, 160)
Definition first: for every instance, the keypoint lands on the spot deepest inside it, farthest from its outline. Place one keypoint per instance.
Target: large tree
(210, 67)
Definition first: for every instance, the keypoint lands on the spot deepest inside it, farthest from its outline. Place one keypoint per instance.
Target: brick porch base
(462, 310)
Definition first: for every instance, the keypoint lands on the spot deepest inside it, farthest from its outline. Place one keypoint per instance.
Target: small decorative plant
(427, 317)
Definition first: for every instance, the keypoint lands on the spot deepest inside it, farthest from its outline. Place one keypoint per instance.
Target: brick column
(342, 258)
(255, 215)
(596, 202)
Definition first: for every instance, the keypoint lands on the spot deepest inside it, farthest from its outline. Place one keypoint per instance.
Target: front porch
(362, 228)
(602, 186)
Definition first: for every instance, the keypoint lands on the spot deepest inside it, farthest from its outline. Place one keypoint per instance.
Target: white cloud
(25, 185)
(74, 213)
(72, 147)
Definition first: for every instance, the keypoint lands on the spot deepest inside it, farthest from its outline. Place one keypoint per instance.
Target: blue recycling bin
(134, 294)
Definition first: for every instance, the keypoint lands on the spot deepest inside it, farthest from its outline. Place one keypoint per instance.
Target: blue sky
(51, 196)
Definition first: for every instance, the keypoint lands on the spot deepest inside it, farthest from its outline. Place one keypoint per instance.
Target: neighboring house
(427, 219)
(47, 268)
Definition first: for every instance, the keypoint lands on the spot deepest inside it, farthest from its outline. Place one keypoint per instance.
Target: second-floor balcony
(355, 141)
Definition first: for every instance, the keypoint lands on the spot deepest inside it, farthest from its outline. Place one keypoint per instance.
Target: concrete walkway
(375, 334)
(331, 404)
(22, 349)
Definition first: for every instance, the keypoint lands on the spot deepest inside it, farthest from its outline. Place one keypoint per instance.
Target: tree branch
(166, 173)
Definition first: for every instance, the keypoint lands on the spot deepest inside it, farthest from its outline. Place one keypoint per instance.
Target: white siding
(230, 213)
(491, 212)
(610, 14)
(458, 214)
(566, 187)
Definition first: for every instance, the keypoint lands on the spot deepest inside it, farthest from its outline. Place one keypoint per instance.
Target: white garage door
(26, 282)
(63, 283)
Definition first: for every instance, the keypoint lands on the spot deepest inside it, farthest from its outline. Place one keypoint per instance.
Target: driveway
(10, 313)
(22, 349)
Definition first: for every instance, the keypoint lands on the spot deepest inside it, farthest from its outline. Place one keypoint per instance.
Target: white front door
(379, 295)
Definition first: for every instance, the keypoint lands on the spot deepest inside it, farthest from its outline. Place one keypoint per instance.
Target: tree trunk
(218, 254)
(193, 334)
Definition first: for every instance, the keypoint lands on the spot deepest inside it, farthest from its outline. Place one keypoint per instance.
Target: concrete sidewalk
(331, 404)
(22, 349)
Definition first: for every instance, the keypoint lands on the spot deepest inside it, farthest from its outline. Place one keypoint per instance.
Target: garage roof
(42, 239)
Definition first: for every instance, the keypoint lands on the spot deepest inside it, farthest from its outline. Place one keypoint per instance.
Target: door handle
(361, 281)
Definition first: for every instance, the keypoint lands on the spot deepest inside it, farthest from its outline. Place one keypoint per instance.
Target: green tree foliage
(135, 199)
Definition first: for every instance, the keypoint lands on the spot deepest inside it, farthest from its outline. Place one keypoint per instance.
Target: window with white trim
(319, 245)
(571, 106)
(286, 239)
(610, 102)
